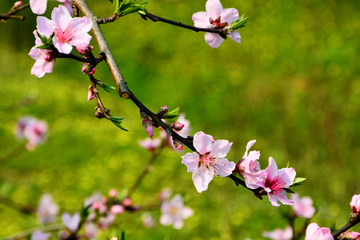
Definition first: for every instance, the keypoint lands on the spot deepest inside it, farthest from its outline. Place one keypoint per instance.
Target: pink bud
(350, 235)
(117, 209)
(91, 93)
(177, 126)
(17, 4)
(147, 124)
(87, 68)
(355, 203)
(178, 145)
(126, 202)
(113, 193)
(96, 205)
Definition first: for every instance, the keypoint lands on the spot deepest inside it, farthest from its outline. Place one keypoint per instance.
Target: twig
(346, 227)
(11, 13)
(103, 47)
(26, 233)
(146, 169)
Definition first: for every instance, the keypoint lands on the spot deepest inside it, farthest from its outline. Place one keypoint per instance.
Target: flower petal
(221, 148)
(223, 167)
(201, 19)
(191, 161)
(62, 47)
(61, 17)
(45, 26)
(229, 15)
(214, 8)
(202, 142)
(235, 35)
(213, 39)
(202, 178)
(38, 6)
(271, 170)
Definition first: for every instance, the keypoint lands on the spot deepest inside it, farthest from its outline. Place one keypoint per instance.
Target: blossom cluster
(60, 35)
(31, 129)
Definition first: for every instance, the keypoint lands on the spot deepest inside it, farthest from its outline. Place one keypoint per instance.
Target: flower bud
(147, 124)
(355, 204)
(91, 93)
(349, 235)
(17, 4)
(177, 126)
(88, 68)
(314, 232)
(113, 193)
(117, 209)
(178, 145)
(163, 111)
(126, 202)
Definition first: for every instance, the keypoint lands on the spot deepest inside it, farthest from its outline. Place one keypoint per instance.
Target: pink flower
(32, 130)
(164, 194)
(273, 181)
(47, 209)
(209, 160)
(68, 31)
(71, 222)
(174, 212)
(45, 59)
(40, 235)
(150, 144)
(355, 204)
(302, 207)
(117, 209)
(90, 230)
(248, 166)
(279, 234)
(39, 6)
(147, 220)
(314, 232)
(217, 18)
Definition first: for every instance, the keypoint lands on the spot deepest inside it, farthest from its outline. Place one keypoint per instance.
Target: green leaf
(129, 6)
(288, 190)
(107, 88)
(298, 181)
(111, 1)
(239, 23)
(85, 212)
(123, 235)
(47, 42)
(172, 114)
(117, 121)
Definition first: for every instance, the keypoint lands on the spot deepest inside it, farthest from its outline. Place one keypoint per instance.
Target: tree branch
(103, 47)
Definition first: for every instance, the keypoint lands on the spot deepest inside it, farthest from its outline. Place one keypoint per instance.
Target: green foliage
(238, 23)
(106, 87)
(128, 6)
(172, 114)
(293, 84)
(47, 42)
(117, 121)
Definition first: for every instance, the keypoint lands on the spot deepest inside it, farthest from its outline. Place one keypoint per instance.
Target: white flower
(174, 212)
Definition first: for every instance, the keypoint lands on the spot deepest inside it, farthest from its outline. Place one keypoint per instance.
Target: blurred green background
(293, 84)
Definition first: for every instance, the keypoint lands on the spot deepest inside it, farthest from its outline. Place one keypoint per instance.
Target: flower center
(174, 210)
(276, 184)
(216, 24)
(63, 35)
(206, 160)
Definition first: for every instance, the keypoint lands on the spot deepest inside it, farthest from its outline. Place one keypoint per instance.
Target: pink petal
(235, 35)
(214, 8)
(229, 15)
(191, 161)
(213, 39)
(69, 8)
(62, 47)
(281, 196)
(38, 6)
(61, 17)
(201, 19)
(202, 178)
(79, 26)
(178, 223)
(202, 142)
(224, 168)
(45, 26)
(271, 170)
(166, 219)
(248, 146)
(80, 40)
(221, 148)
(273, 200)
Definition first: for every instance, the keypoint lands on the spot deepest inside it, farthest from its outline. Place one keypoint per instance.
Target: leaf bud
(163, 110)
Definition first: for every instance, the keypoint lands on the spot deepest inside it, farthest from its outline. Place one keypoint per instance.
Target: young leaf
(298, 181)
(288, 190)
(107, 88)
(128, 6)
(111, 1)
(117, 121)
(172, 114)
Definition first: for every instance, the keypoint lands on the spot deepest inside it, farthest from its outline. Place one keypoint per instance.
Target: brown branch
(103, 47)
(11, 13)
(347, 226)
(93, 61)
